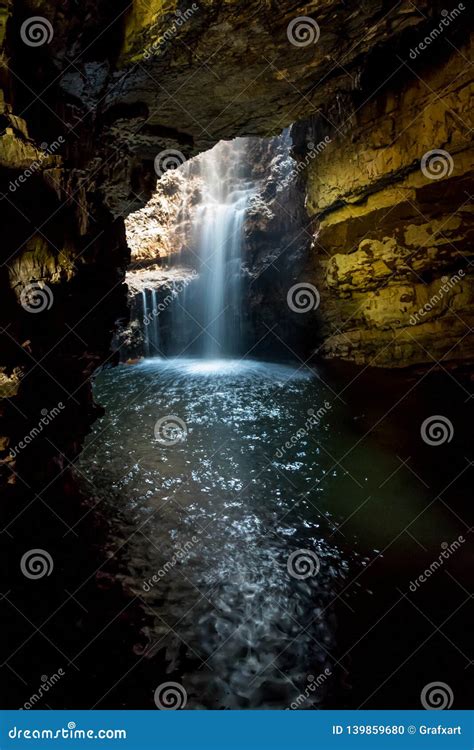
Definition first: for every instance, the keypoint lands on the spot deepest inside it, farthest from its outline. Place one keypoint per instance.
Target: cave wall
(392, 247)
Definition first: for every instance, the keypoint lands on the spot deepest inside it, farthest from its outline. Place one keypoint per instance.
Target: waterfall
(219, 225)
(216, 234)
(197, 308)
(150, 322)
(146, 330)
(155, 323)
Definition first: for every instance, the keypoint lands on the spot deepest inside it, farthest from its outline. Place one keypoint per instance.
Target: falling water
(211, 306)
(219, 229)
(204, 318)
(155, 324)
(149, 314)
(146, 332)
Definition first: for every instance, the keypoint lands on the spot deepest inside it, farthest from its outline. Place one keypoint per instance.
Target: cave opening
(204, 248)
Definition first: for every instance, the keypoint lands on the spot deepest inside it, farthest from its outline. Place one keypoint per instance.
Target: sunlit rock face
(392, 250)
(120, 85)
(155, 233)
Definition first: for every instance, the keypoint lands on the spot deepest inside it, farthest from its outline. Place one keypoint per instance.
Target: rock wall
(392, 247)
(276, 250)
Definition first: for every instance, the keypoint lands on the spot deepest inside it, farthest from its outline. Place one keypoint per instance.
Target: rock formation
(392, 253)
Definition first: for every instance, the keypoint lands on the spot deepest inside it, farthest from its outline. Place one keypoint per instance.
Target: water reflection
(210, 520)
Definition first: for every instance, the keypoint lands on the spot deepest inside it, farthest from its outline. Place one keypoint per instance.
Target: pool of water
(244, 503)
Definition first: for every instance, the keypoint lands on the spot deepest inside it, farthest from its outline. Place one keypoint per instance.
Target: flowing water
(149, 321)
(218, 471)
(217, 236)
(205, 317)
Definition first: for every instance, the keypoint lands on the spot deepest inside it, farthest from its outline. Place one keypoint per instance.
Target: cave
(236, 338)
